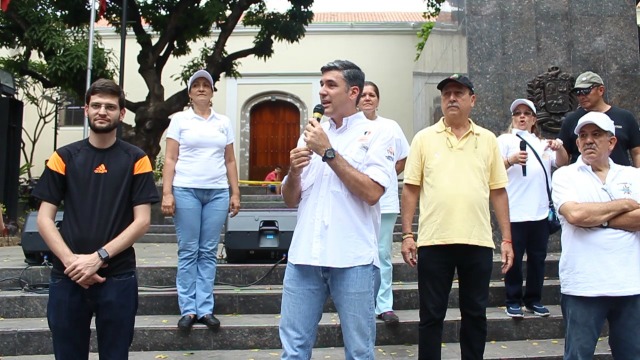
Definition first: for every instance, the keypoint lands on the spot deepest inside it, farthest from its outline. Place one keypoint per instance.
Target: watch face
(103, 254)
(329, 154)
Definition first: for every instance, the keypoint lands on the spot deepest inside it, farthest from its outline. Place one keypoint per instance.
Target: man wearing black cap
(454, 166)
(590, 88)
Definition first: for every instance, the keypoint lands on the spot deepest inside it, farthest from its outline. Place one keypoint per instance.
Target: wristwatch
(329, 154)
(103, 254)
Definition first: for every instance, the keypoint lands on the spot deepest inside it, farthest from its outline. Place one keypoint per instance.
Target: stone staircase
(250, 315)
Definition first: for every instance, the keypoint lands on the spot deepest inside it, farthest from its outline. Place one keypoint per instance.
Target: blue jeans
(584, 318)
(306, 289)
(384, 299)
(70, 309)
(532, 238)
(436, 267)
(200, 214)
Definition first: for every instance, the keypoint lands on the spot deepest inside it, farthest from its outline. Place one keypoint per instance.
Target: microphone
(523, 147)
(318, 111)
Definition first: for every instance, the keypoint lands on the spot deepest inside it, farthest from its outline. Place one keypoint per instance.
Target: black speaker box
(10, 140)
(34, 248)
(259, 235)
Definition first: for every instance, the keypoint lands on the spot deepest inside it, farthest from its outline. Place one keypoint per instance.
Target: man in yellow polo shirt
(455, 167)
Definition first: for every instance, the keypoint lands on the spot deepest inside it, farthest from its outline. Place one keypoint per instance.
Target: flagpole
(92, 22)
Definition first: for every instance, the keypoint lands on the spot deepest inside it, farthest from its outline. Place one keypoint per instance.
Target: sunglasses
(586, 91)
(526, 113)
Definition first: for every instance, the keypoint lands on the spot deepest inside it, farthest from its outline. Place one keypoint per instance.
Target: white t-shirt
(201, 163)
(335, 228)
(528, 199)
(597, 261)
(389, 202)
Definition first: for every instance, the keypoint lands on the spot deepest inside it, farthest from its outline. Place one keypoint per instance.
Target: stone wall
(509, 42)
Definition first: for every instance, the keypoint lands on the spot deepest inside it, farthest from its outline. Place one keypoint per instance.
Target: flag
(103, 8)
(4, 4)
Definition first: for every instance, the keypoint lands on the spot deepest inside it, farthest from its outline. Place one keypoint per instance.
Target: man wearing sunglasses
(589, 88)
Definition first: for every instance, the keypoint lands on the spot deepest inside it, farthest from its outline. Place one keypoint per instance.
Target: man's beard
(104, 129)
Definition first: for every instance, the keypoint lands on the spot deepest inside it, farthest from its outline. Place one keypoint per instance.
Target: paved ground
(495, 350)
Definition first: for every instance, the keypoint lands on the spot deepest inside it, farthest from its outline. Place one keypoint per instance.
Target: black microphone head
(318, 109)
(523, 145)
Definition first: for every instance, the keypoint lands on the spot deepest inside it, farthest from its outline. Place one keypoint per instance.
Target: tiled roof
(349, 17)
(367, 17)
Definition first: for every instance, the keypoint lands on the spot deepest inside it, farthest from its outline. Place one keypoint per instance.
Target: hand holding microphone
(318, 111)
(314, 134)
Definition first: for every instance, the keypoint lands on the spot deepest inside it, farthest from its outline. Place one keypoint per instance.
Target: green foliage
(433, 10)
(159, 166)
(49, 44)
(24, 170)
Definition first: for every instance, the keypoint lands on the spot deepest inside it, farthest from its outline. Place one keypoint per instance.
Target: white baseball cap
(200, 74)
(526, 102)
(598, 119)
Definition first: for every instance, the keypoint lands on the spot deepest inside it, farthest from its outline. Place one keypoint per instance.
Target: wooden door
(275, 129)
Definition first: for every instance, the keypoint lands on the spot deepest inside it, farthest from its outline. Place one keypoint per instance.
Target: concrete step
(243, 332)
(257, 299)
(157, 267)
(545, 349)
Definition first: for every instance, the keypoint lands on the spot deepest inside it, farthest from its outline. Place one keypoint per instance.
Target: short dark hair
(374, 86)
(106, 87)
(352, 74)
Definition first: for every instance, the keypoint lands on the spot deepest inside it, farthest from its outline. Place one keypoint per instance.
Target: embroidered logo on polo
(625, 188)
(390, 154)
(101, 169)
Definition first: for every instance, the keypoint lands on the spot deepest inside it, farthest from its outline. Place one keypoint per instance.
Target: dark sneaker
(515, 311)
(538, 309)
(389, 318)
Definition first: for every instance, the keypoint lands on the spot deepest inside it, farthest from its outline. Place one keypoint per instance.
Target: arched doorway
(275, 129)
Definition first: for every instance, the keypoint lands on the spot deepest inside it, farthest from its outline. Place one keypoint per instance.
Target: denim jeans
(70, 309)
(384, 299)
(200, 215)
(436, 267)
(306, 289)
(584, 318)
(532, 238)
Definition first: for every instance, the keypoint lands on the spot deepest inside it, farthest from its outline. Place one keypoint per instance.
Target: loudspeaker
(259, 235)
(33, 246)
(10, 140)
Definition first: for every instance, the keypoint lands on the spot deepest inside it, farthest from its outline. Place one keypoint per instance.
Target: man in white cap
(589, 88)
(600, 263)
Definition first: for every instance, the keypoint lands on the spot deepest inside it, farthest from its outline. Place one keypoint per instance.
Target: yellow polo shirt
(455, 177)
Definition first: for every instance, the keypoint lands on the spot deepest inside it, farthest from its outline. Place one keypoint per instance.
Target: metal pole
(123, 41)
(92, 22)
(55, 126)
(123, 44)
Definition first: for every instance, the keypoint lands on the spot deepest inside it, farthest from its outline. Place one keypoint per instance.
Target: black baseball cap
(462, 80)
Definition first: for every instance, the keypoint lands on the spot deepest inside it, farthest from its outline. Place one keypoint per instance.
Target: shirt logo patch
(101, 169)
(365, 137)
(390, 154)
(625, 188)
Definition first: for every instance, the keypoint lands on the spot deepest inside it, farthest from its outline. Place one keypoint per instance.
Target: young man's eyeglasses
(108, 107)
(585, 91)
(526, 113)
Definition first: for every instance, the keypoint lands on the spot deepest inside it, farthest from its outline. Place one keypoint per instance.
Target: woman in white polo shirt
(200, 186)
(528, 205)
(389, 206)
